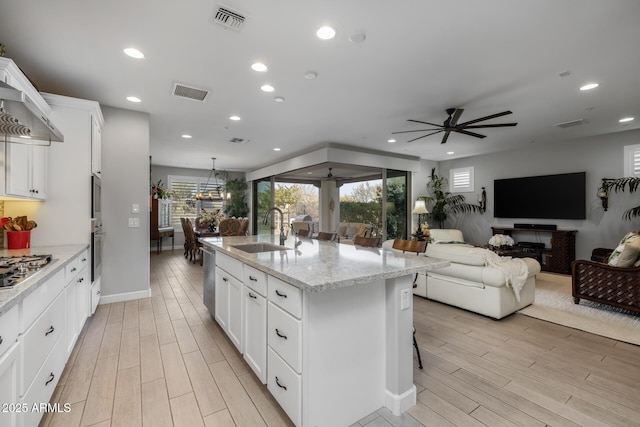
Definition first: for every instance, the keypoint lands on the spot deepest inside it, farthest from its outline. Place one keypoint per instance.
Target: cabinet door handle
(73, 269)
(280, 385)
(51, 378)
(253, 279)
(280, 295)
(84, 259)
(224, 279)
(280, 335)
(51, 329)
(251, 295)
(1, 340)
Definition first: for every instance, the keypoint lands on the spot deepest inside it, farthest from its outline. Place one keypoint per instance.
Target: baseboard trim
(128, 296)
(400, 403)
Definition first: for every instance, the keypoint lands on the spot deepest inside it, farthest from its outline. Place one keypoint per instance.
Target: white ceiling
(419, 58)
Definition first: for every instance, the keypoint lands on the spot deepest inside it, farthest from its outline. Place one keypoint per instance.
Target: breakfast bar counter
(328, 327)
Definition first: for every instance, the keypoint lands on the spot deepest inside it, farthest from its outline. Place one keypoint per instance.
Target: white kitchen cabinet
(95, 295)
(222, 299)
(77, 297)
(229, 297)
(9, 368)
(26, 170)
(96, 146)
(236, 315)
(255, 332)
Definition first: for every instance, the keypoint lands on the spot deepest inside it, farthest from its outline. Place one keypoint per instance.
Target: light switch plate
(405, 299)
(135, 208)
(134, 222)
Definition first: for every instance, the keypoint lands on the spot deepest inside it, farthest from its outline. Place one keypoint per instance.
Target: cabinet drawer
(255, 279)
(286, 386)
(231, 265)
(83, 259)
(286, 296)
(72, 269)
(284, 336)
(40, 339)
(34, 304)
(9, 326)
(45, 383)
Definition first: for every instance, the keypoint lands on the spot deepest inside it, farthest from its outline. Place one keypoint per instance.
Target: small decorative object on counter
(18, 231)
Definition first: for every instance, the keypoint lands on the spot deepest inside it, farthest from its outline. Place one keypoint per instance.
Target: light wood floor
(163, 361)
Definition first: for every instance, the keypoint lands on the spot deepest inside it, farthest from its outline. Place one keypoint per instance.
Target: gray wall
(162, 172)
(125, 181)
(600, 156)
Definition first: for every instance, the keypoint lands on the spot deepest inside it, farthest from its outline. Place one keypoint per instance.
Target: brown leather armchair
(595, 280)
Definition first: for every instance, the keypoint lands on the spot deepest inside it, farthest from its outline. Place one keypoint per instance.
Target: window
(461, 180)
(632, 160)
(183, 202)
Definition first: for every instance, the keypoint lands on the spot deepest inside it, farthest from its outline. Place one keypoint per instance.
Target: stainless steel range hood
(21, 117)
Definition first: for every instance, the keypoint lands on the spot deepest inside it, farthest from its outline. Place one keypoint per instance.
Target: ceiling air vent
(229, 18)
(239, 140)
(571, 123)
(189, 92)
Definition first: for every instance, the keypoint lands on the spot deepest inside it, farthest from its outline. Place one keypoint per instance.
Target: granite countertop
(316, 265)
(11, 296)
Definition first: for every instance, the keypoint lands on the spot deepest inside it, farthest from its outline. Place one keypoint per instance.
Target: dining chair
(192, 244)
(326, 236)
(229, 227)
(304, 233)
(417, 246)
(244, 226)
(369, 242)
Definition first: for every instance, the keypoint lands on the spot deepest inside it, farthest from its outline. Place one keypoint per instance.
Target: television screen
(560, 196)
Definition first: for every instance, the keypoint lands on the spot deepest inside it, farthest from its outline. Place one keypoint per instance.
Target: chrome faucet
(283, 238)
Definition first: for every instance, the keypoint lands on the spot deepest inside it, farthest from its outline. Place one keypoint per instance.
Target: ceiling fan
(451, 125)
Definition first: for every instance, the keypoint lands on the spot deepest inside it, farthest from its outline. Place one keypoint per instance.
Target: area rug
(554, 303)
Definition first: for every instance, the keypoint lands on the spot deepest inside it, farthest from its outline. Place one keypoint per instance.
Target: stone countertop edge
(433, 263)
(61, 256)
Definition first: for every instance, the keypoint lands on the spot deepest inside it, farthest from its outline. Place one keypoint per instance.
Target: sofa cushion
(455, 253)
(627, 251)
(446, 235)
(361, 230)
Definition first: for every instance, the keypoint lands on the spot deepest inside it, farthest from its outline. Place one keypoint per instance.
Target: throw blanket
(515, 270)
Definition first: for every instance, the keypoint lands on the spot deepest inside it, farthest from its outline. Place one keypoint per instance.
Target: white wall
(599, 156)
(125, 181)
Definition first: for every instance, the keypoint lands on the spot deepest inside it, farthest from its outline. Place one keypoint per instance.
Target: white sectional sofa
(477, 279)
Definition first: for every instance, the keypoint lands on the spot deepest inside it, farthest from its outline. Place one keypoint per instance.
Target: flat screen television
(560, 196)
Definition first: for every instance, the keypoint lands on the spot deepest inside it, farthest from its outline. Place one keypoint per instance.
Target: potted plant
(236, 204)
(160, 191)
(620, 184)
(442, 203)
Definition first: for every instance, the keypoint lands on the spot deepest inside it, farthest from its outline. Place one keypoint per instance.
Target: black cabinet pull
(280, 295)
(253, 279)
(84, 259)
(73, 269)
(224, 279)
(51, 329)
(280, 335)
(280, 385)
(251, 295)
(1, 340)
(51, 377)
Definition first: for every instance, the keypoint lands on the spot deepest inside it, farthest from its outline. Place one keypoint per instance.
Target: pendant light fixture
(214, 192)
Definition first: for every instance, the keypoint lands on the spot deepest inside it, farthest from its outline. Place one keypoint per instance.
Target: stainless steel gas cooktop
(15, 269)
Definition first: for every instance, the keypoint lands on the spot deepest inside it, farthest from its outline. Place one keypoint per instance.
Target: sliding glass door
(396, 196)
(262, 201)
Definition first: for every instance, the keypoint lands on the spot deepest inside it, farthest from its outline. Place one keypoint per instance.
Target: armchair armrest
(600, 282)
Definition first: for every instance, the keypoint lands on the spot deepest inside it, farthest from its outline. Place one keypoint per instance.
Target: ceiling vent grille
(189, 92)
(229, 18)
(571, 123)
(238, 140)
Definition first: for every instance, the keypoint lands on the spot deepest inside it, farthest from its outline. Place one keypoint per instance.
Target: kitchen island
(328, 327)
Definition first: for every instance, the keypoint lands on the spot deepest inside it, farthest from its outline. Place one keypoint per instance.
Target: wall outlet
(405, 299)
(134, 222)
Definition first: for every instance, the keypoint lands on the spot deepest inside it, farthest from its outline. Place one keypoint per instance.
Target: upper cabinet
(96, 144)
(26, 171)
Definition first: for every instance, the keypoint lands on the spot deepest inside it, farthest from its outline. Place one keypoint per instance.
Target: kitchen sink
(254, 248)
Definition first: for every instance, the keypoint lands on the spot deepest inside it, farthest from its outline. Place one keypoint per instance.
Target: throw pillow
(362, 230)
(626, 253)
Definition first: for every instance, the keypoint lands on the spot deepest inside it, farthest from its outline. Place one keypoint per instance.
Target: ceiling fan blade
(424, 123)
(445, 137)
(420, 130)
(424, 136)
(477, 135)
(456, 117)
(499, 125)
(493, 116)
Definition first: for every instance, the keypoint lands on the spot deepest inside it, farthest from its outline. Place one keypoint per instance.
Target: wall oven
(97, 233)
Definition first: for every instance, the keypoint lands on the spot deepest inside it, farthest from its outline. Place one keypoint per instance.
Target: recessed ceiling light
(187, 136)
(267, 88)
(259, 67)
(450, 152)
(590, 86)
(133, 99)
(134, 53)
(626, 119)
(310, 75)
(276, 149)
(391, 141)
(326, 33)
(234, 118)
(278, 98)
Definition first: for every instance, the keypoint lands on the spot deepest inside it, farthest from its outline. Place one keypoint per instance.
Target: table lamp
(420, 208)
